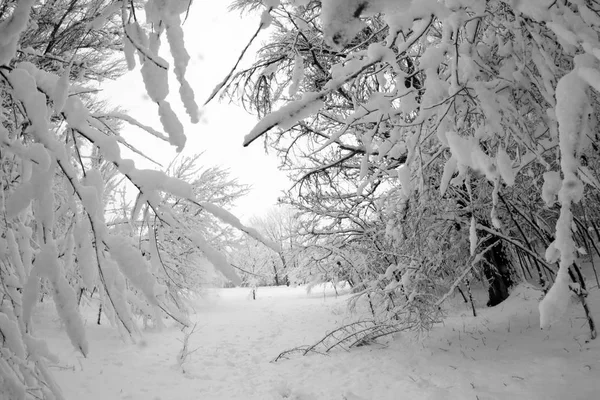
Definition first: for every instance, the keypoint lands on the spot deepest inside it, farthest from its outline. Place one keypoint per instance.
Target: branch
(226, 79)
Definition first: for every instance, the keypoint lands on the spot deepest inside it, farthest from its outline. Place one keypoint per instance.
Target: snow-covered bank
(501, 354)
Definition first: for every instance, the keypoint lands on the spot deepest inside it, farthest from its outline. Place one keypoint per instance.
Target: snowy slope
(501, 354)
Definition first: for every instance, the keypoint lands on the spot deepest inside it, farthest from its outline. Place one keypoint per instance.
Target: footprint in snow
(351, 396)
(284, 391)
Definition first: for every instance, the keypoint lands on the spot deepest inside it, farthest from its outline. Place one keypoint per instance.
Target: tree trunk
(275, 272)
(496, 265)
(468, 285)
(497, 273)
(284, 269)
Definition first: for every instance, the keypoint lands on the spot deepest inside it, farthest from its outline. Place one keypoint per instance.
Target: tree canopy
(443, 138)
(60, 151)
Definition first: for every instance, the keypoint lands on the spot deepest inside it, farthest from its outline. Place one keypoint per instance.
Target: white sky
(214, 39)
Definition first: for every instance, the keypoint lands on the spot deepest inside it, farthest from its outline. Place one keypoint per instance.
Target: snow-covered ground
(501, 354)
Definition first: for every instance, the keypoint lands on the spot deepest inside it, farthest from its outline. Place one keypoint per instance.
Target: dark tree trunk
(497, 272)
(276, 274)
(468, 285)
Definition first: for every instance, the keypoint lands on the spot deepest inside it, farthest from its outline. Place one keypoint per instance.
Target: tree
(389, 102)
(260, 265)
(210, 186)
(60, 157)
(279, 224)
(176, 262)
(254, 263)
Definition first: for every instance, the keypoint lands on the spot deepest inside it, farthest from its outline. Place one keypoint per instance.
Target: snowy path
(237, 337)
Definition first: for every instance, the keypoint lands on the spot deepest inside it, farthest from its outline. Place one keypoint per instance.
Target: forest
(435, 148)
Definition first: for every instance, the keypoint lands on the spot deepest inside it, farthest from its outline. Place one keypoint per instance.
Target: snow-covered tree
(60, 156)
(175, 261)
(261, 264)
(280, 225)
(382, 103)
(256, 263)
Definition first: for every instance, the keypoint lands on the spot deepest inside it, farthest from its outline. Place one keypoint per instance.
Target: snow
(85, 253)
(483, 163)
(100, 20)
(228, 218)
(76, 112)
(156, 80)
(216, 258)
(25, 89)
(404, 177)
(30, 294)
(571, 104)
(61, 90)
(10, 382)
(297, 75)
(300, 3)
(564, 34)
(133, 265)
(265, 19)
(24, 246)
(47, 265)
(449, 169)
(551, 186)
(473, 236)
(41, 156)
(501, 354)
(432, 57)
(129, 51)
(555, 303)
(118, 308)
(132, 121)
(287, 116)
(12, 336)
(19, 200)
(15, 257)
(340, 24)
(181, 59)
(149, 180)
(12, 26)
(378, 52)
(461, 148)
(504, 164)
(171, 125)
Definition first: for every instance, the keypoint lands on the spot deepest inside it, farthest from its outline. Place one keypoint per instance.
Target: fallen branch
(355, 334)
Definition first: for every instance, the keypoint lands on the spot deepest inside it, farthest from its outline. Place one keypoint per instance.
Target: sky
(214, 39)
